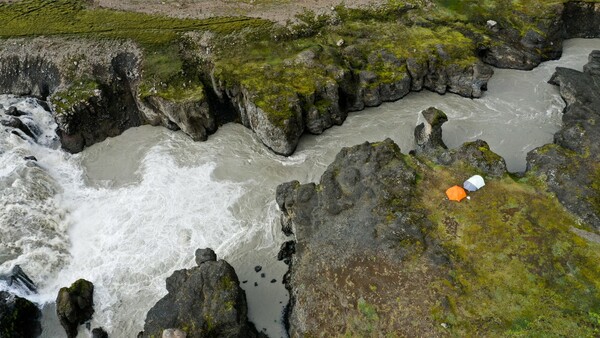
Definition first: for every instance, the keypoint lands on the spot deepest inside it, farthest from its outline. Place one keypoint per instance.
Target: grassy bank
(263, 57)
(518, 266)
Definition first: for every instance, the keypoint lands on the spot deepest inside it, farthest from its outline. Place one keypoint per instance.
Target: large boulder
(428, 135)
(204, 301)
(19, 318)
(75, 305)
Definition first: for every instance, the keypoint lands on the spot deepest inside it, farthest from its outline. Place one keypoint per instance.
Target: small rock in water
(13, 111)
(255, 284)
(273, 280)
(30, 158)
(99, 333)
(244, 282)
(257, 268)
(262, 275)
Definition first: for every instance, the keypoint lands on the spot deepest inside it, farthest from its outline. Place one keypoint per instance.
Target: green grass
(517, 268)
(157, 35)
(78, 92)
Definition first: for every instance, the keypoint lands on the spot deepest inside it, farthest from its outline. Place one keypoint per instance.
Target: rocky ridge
(95, 86)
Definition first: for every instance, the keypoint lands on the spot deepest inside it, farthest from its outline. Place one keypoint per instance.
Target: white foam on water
(31, 221)
(127, 241)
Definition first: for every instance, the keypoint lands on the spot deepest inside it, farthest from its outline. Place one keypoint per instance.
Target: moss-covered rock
(75, 305)
(570, 165)
(19, 318)
(508, 261)
(205, 301)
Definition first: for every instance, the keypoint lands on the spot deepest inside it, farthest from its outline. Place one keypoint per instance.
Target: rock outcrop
(93, 87)
(582, 19)
(75, 305)
(476, 154)
(348, 209)
(17, 279)
(428, 135)
(204, 301)
(543, 41)
(19, 318)
(415, 264)
(570, 165)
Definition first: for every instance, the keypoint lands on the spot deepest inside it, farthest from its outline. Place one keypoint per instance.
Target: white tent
(474, 183)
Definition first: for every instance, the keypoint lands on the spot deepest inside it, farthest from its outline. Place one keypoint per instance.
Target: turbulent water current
(125, 213)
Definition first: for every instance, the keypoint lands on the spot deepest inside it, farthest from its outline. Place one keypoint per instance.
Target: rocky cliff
(508, 261)
(571, 165)
(311, 76)
(93, 89)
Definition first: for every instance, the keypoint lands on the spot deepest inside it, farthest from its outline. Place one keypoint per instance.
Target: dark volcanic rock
(286, 251)
(428, 135)
(19, 318)
(478, 155)
(16, 123)
(353, 231)
(582, 19)
(19, 280)
(204, 301)
(13, 111)
(570, 165)
(75, 305)
(205, 255)
(99, 333)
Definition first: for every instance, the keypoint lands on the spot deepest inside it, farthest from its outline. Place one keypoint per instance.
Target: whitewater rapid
(127, 212)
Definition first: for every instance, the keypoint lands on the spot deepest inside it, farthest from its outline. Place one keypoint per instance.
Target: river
(127, 212)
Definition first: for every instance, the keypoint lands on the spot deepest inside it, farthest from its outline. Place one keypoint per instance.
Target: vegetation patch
(79, 92)
(517, 269)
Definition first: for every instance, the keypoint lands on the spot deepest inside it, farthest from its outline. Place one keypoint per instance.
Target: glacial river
(125, 213)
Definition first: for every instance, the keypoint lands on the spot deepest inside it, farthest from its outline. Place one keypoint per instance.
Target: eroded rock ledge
(571, 166)
(95, 86)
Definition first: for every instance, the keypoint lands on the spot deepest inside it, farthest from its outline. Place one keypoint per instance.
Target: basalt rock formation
(19, 318)
(75, 305)
(98, 88)
(570, 166)
(204, 301)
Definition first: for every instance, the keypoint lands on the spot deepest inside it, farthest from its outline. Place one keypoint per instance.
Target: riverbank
(189, 74)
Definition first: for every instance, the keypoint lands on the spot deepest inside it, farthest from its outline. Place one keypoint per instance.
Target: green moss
(79, 92)
(227, 283)
(157, 35)
(518, 269)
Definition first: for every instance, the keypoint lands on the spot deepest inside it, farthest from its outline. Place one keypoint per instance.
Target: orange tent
(456, 193)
